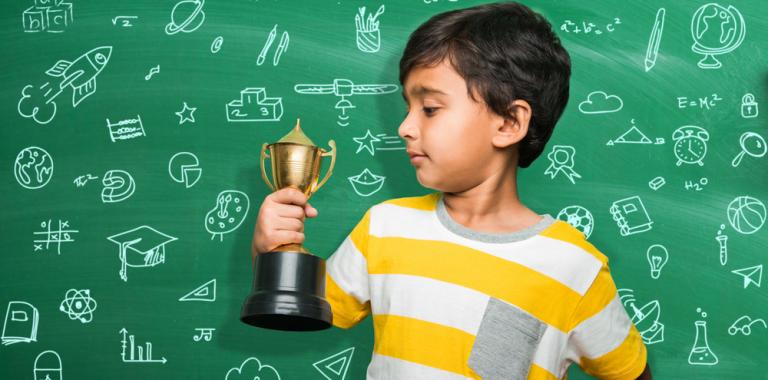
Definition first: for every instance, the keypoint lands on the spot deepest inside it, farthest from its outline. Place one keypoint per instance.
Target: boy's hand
(281, 220)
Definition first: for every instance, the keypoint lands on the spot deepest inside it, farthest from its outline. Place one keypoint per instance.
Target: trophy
(289, 282)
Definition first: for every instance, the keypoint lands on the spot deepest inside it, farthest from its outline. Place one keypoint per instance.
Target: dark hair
(504, 51)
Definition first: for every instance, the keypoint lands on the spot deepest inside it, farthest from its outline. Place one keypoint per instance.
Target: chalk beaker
(701, 354)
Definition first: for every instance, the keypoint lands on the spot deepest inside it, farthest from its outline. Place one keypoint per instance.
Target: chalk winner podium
(289, 282)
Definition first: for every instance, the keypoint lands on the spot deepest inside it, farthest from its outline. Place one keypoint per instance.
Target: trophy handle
(264, 155)
(332, 153)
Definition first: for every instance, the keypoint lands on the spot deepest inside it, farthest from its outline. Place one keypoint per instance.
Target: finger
(290, 211)
(287, 237)
(290, 224)
(289, 195)
(310, 211)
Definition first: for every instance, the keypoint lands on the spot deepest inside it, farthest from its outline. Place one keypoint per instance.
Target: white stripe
(547, 355)
(349, 269)
(601, 333)
(567, 263)
(384, 367)
(428, 300)
(450, 305)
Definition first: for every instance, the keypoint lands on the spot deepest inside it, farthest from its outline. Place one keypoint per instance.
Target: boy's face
(454, 135)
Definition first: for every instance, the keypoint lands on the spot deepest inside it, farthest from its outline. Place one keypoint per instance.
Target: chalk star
(186, 114)
(363, 144)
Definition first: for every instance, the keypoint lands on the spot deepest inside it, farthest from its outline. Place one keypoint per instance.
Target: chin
(423, 181)
(430, 184)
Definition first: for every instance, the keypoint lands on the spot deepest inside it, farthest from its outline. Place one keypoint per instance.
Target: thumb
(310, 211)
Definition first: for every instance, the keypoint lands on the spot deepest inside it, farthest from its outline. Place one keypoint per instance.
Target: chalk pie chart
(185, 168)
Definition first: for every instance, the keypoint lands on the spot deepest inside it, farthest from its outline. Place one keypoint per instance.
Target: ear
(510, 131)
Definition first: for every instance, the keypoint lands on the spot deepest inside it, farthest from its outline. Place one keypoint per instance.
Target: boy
(468, 282)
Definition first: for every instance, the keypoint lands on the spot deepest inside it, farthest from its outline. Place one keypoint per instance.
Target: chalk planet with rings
(193, 9)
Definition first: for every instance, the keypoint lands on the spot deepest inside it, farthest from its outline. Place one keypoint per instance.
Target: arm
(346, 278)
(604, 341)
(646, 375)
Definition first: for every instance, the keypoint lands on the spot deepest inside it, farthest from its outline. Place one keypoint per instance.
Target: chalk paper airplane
(335, 366)
(205, 292)
(752, 275)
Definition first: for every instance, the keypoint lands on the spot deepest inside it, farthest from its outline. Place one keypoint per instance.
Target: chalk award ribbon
(561, 160)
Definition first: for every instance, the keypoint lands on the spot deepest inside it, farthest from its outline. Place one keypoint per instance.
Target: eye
(430, 111)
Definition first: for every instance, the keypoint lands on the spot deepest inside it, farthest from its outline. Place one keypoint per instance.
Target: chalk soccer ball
(578, 217)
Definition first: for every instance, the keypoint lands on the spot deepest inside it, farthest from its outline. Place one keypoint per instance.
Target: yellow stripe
(539, 373)
(563, 231)
(613, 365)
(602, 291)
(600, 294)
(347, 311)
(425, 202)
(360, 233)
(423, 342)
(540, 295)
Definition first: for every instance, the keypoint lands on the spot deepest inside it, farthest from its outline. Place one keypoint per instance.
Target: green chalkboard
(127, 125)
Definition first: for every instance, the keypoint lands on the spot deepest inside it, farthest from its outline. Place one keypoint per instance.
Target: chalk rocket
(81, 73)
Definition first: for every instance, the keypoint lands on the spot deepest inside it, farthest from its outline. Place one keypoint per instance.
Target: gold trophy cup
(289, 282)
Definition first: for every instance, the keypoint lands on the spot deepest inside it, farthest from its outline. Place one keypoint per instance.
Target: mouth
(416, 157)
(413, 154)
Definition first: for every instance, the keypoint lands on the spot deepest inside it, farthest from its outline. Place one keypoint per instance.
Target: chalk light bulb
(657, 256)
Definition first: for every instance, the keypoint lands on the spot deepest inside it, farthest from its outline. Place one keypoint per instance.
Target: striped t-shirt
(451, 303)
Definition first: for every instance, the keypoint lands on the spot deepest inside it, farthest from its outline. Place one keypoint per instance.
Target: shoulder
(580, 263)
(571, 239)
(426, 202)
(404, 207)
(398, 214)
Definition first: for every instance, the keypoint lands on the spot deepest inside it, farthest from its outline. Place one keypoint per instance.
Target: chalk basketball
(746, 214)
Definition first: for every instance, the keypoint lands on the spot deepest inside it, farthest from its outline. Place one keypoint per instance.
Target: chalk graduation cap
(142, 246)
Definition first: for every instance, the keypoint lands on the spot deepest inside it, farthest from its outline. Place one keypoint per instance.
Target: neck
(494, 199)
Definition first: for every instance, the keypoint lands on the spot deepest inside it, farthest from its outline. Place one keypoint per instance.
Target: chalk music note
(152, 72)
(125, 21)
(205, 333)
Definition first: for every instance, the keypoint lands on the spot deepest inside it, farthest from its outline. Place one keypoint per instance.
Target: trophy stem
(293, 247)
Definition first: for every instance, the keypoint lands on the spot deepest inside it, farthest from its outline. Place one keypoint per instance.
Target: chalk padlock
(748, 106)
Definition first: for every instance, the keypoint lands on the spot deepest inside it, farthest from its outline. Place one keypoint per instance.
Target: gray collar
(490, 237)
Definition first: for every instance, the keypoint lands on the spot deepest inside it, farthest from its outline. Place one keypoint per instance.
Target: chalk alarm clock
(690, 144)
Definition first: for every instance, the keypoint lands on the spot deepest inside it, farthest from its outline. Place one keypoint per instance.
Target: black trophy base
(288, 293)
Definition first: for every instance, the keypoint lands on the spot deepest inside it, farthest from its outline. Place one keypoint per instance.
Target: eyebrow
(421, 91)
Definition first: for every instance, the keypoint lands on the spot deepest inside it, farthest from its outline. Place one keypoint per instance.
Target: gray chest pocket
(505, 343)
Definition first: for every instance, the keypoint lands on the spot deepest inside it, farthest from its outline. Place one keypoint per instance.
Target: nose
(407, 129)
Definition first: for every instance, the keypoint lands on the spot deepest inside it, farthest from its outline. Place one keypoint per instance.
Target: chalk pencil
(653, 42)
(270, 39)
